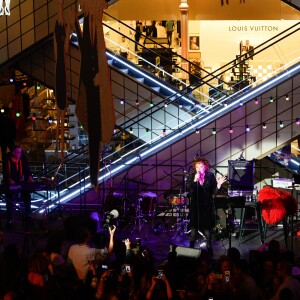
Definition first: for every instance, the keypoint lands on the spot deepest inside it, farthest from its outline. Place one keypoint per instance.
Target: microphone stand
(216, 171)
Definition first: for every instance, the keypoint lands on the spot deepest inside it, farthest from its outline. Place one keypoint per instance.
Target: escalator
(182, 122)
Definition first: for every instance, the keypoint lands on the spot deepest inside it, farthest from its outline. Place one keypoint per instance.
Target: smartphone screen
(127, 268)
(160, 274)
(227, 276)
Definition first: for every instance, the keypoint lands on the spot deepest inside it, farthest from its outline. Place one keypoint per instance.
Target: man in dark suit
(137, 36)
(8, 132)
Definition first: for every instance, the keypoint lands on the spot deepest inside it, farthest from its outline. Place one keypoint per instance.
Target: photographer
(80, 255)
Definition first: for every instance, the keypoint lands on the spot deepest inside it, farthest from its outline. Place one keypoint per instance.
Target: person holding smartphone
(159, 285)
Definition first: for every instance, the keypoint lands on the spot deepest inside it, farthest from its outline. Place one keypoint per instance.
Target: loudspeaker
(186, 263)
(241, 174)
(185, 252)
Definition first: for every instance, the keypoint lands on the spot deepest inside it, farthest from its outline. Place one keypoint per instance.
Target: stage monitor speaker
(185, 252)
(241, 174)
(186, 263)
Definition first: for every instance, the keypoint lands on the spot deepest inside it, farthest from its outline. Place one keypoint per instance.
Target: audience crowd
(99, 266)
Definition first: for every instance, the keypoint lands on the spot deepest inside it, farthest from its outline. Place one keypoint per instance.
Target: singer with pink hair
(202, 185)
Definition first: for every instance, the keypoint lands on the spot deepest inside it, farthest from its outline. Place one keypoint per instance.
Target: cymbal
(182, 174)
(138, 181)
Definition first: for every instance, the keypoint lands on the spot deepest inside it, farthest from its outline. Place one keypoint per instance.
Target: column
(184, 34)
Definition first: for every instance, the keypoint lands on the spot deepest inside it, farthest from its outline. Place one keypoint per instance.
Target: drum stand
(139, 216)
(141, 219)
(183, 224)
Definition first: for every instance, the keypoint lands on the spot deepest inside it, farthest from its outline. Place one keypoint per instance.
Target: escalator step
(124, 71)
(156, 88)
(141, 79)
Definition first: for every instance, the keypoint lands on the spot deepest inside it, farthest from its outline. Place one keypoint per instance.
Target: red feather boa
(276, 204)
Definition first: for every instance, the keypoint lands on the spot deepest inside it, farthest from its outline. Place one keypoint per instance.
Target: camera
(160, 274)
(110, 219)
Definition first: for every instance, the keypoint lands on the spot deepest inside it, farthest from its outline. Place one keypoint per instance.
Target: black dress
(202, 209)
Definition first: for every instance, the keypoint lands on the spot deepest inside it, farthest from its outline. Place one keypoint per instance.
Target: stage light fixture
(33, 118)
(230, 130)
(271, 99)
(151, 103)
(130, 130)
(214, 131)
(264, 125)
(197, 130)
(18, 114)
(287, 98)
(122, 101)
(164, 132)
(137, 102)
(281, 124)
(298, 121)
(247, 128)
(166, 104)
(256, 101)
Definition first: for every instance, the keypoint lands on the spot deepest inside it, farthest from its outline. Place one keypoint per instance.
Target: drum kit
(179, 203)
(144, 208)
(142, 211)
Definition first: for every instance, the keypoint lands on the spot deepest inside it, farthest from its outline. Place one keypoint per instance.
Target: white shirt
(293, 285)
(80, 255)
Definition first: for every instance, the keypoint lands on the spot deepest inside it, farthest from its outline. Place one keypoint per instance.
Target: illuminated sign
(5, 9)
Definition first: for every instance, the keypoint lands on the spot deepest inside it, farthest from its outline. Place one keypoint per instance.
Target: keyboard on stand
(27, 187)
